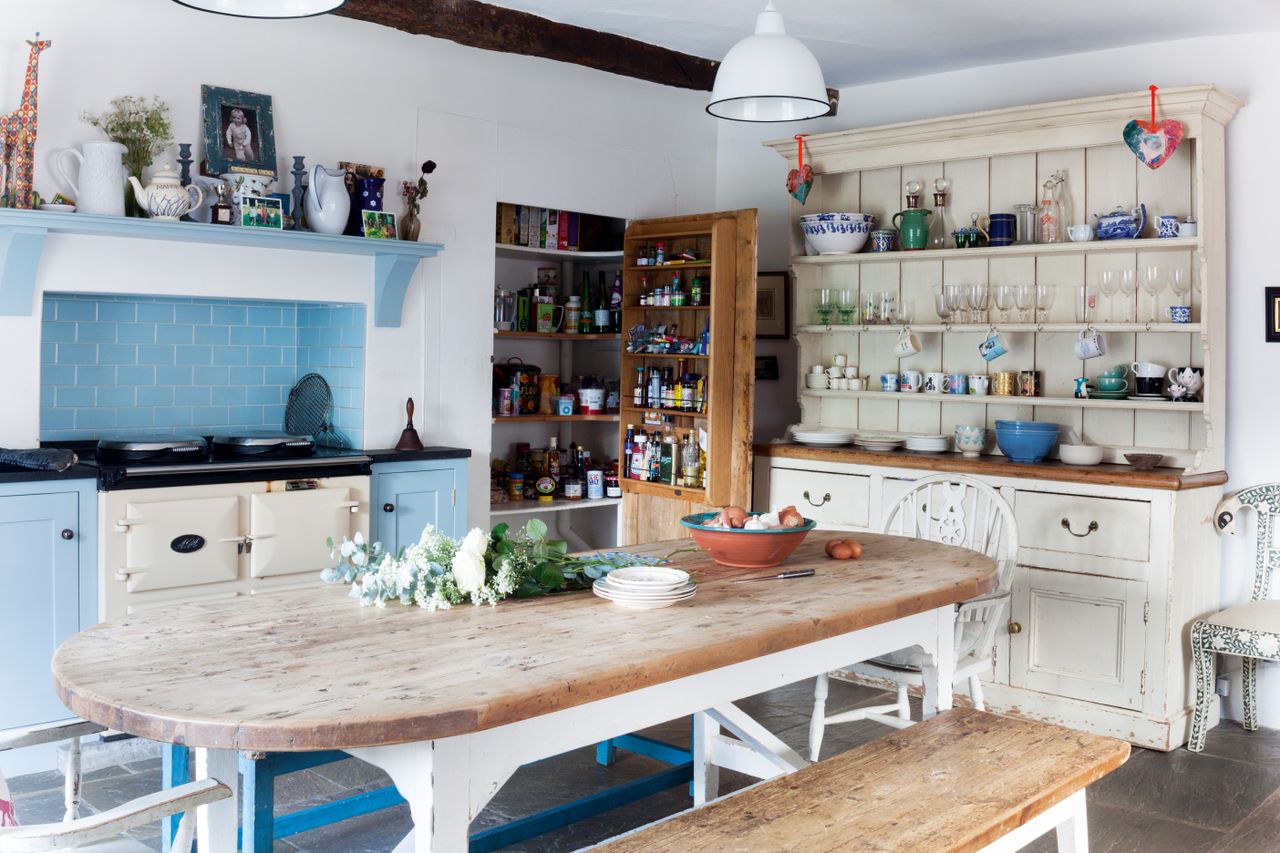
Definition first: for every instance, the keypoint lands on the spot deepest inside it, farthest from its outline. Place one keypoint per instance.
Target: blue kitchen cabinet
(407, 496)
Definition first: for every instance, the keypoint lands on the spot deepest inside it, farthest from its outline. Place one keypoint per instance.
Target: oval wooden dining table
(451, 703)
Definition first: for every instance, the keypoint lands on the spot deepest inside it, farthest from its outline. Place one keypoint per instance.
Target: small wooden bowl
(1143, 461)
(746, 549)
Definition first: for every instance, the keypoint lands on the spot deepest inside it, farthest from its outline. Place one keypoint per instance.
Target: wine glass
(1153, 281)
(941, 307)
(979, 298)
(1129, 287)
(1181, 284)
(1004, 300)
(1086, 302)
(906, 312)
(1025, 297)
(825, 306)
(1044, 301)
(1109, 284)
(847, 306)
(955, 301)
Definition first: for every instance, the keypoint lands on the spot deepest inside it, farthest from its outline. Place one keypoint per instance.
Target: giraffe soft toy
(18, 134)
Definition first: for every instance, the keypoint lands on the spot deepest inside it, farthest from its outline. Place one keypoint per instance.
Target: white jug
(327, 202)
(100, 188)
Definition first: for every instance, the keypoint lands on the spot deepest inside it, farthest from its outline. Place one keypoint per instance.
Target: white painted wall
(504, 127)
(749, 175)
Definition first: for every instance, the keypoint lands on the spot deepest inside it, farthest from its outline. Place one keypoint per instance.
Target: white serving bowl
(1080, 454)
(836, 233)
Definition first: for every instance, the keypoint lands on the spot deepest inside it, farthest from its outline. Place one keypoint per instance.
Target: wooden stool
(963, 780)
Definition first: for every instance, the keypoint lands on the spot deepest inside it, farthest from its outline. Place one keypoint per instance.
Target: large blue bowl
(1025, 446)
(1027, 426)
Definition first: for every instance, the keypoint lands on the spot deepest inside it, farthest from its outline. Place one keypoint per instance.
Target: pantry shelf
(533, 419)
(557, 505)
(528, 253)
(558, 336)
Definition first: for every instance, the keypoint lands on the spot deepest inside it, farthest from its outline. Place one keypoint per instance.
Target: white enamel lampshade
(264, 8)
(769, 76)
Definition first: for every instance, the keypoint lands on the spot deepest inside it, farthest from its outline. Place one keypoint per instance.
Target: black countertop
(392, 455)
(14, 474)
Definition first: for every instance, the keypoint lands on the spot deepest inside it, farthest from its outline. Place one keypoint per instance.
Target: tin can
(595, 484)
(506, 403)
(1029, 383)
(564, 406)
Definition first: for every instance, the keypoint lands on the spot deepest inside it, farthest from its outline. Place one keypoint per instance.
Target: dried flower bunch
(141, 126)
(413, 193)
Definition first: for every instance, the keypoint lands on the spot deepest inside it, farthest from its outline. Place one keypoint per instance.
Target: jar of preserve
(515, 486)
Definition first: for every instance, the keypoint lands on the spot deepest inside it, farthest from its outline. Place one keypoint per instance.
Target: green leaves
(535, 530)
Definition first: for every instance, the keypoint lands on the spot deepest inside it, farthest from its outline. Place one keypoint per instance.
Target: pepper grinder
(409, 438)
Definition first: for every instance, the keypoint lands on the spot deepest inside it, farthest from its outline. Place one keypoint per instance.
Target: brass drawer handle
(1066, 525)
(825, 499)
(1015, 628)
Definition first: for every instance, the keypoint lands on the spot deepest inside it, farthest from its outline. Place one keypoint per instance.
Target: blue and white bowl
(836, 233)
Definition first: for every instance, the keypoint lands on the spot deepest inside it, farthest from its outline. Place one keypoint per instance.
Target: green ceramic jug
(913, 233)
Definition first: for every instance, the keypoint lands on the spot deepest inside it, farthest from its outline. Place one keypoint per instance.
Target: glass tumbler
(848, 306)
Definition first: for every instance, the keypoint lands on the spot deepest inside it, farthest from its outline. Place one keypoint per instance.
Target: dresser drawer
(830, 499)
(1082, 531)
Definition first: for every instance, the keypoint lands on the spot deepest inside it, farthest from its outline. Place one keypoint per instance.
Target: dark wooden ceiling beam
(482, 25)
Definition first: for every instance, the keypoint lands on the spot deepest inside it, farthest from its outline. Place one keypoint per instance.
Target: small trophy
(221, 212)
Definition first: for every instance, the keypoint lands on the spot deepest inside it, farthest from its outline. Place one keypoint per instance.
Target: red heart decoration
(1153, 144)
(799, 182)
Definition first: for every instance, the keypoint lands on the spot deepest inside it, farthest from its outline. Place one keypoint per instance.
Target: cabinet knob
(388, 507)
(1015, 628)
(825, 499)
(68, 533)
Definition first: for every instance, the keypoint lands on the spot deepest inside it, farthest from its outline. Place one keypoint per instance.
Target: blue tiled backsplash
(120, 365)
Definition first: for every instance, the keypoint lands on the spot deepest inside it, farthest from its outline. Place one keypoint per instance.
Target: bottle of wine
(553, 463)
(574, 483)
(615, 303)
(602, 319)
(627, 444)
(584, 317)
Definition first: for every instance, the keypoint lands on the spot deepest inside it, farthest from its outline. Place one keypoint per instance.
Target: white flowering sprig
(438, 572)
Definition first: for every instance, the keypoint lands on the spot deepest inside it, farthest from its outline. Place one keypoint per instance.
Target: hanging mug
(991, 348)
(908, 344)
(1090, 344)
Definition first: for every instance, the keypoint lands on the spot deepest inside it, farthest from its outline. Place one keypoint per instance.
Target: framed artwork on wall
(1273, 315)
(239, 131)
(773, 305)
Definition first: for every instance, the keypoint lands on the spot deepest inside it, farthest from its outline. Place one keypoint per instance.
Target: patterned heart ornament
(800, 179)
(1153, 145)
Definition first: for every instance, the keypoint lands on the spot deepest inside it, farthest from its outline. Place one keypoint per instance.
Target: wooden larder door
(724, 250)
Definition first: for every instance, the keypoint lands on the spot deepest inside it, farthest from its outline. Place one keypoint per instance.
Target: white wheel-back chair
(954, 510)
(102, 832)
(1250, 631)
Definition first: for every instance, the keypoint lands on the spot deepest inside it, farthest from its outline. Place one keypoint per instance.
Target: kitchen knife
(781, 576)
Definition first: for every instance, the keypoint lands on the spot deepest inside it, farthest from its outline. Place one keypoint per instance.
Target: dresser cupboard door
(1079, 636)
(288, 529)
(833, 500)
(41, 604)
(177, 543)
(407, 501)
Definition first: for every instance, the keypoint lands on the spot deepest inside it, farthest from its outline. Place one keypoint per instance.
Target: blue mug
(1178, 313)
(884, 240)
(888, 382)
(957, 383)
(1001, 229)
(1168, 226)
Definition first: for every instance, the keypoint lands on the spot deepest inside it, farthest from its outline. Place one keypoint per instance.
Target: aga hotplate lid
(153, 443)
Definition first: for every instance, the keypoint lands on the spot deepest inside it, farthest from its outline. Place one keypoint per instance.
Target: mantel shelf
(999, 400)
(1150, 244)
(816, 329)
(23, 232)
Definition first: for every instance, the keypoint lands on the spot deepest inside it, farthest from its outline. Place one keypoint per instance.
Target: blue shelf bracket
(20, 250)
(391, 275)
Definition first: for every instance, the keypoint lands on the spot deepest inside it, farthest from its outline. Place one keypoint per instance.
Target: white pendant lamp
(264, 8)
(769, 76)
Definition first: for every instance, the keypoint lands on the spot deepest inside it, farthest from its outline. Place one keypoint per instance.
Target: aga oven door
(176, 543)
(287, 529)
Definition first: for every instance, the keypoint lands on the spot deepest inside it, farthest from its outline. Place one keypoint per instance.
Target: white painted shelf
(997, 400)
(558, 505)
(817, 329)
(528, 253)
(1148, 244)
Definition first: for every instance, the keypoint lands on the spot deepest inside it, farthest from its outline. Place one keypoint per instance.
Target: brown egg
(736, 516)
(855, 548)
(841, 551)
(790, 518)
(830, 545)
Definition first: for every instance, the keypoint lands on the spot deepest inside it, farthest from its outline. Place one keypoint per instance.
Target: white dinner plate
(644, 578)
(635, 603)
(603, 585)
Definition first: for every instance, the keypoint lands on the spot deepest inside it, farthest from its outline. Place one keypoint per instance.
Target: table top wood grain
(314, 670)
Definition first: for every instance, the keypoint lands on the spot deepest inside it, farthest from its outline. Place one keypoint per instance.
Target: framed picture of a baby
(239, 133)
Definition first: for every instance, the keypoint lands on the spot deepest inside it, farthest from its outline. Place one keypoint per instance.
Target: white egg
(770, 520)
(754, 523)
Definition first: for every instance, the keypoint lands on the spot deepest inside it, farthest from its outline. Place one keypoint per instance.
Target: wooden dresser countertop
(1172, 479)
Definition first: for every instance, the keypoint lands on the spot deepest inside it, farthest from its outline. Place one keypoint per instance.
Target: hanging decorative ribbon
(1153, 142)
(800, 179)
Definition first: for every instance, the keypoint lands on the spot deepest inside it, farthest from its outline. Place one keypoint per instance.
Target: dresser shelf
(817, 329)
(23, 232)
(1000, 400)
(1147, 244)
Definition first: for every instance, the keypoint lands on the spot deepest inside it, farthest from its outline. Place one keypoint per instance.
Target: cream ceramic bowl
(1080, 454)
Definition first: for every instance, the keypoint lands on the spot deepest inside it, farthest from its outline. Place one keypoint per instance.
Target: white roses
(468, 565)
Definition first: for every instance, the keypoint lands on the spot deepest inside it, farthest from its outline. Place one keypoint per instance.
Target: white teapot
(1188, 378)
(165, 197)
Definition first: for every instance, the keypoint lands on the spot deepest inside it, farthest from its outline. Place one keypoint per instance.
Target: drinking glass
(940, 306)
(1181, 283)
(1004, 300)
(888, 311)
(847, 305)
(1044, 301)
(868, 309)
(825, 306)
(1108, 284)
(979, 298)
(1086, 302)
(1025, 297)
(1129, 287)
(906, 312)
(955, 301)
(1153, 281)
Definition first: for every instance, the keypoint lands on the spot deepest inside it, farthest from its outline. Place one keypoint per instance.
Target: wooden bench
(964, 780)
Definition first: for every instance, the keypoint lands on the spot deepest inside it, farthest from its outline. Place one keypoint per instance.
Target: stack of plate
(823, 436)
(878, 441)
(928, 443)
(645, 587)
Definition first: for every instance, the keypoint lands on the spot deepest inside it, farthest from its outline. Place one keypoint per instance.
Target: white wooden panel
(1013, 181)
(1071, 160)
(159, 530)
(1112, 180)
(876, 414)
(1015, 410)
(919, 413)
(830, 499)
(921, 280)
(1110, 427)
(882, 194)
(1063, 274)
(289, 529)
(839, 412)
(960, 353)
(1166, 190)
(839, 192)
(1057, 362)
(1162, 430)
(969, 193)
(1100, 527)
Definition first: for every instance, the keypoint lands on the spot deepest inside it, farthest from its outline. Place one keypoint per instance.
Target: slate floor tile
(1229, 740)
(1117, 830)
(1257, 833)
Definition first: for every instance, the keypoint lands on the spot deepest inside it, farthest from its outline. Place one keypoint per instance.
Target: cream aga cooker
(193, 519)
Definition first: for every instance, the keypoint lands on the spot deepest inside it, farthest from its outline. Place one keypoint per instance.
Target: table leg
(706, 775)
(939, 669)
(217, 823)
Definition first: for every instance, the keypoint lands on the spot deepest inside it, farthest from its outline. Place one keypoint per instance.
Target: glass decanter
(1049, 223)
(940, 225)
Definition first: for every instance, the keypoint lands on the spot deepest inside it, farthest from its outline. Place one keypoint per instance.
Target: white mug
(1148, 369)
(850, 372)
(835, 372)
(908, 344)
(857, 383)
(1090, 345)
(840, 359)
(935, 383)
(979, 384)
(817, 368)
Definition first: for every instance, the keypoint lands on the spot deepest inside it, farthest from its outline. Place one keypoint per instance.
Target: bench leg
(706, 775)
(1069, 819)
(1073, 833)
(975, 693)
(939, 669)
(818, 722)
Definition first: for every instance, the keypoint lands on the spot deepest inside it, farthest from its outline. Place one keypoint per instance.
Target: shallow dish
(746, 549)
(58, 208)
(1080, 454)
(1143, 461)
(602, 585)
(647, 578)
(644, 604)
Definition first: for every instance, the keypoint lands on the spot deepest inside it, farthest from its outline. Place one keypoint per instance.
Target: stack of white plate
(928, 443)
(645, 587)
(825, 436)
(878, 441)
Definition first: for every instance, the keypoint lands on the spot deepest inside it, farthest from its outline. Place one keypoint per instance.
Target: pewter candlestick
(298, 171)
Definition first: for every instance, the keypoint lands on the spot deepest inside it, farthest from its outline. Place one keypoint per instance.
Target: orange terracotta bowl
(746, 549)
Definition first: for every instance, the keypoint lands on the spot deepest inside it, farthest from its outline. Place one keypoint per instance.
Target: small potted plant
(413, 194)
(143, 128)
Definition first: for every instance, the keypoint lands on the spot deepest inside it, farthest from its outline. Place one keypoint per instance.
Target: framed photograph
(766, 367)
(261, 212)
(1273, 315)
(378, 224)
(773, 305)
(239, 132)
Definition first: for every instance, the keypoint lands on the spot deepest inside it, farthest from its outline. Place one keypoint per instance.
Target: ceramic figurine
(1082, 388)
(18, 134)
(1121, 224)
(326, 202)
(165, 197)
(1177, 391)
(244, 185)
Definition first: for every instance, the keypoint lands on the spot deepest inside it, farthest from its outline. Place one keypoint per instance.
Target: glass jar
(504, 310)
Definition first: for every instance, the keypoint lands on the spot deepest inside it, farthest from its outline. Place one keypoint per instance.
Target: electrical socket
(1223, 686)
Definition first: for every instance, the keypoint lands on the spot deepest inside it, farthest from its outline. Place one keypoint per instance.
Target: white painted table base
(448, 781)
